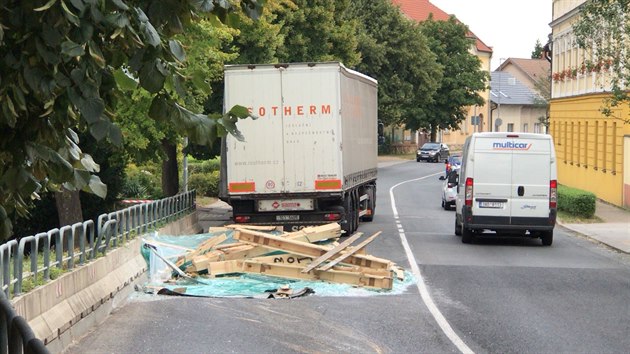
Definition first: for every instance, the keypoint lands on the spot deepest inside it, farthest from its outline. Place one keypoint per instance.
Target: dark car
(432, 152)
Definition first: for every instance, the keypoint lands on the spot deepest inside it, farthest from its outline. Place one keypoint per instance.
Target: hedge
(576, 201)
(206, 184)
(206, 166)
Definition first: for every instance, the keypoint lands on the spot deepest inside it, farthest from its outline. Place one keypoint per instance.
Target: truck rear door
(294, 145)
(255, 164)
(311, 129)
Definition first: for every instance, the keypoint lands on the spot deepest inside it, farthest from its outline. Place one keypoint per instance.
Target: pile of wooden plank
(297, 255)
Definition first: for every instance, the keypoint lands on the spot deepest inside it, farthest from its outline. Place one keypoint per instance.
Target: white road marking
(422, 287)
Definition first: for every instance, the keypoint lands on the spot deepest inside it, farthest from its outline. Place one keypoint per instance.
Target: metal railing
(15, 334)
(82, 242)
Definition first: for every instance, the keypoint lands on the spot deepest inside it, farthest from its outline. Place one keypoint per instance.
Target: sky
(510, 27)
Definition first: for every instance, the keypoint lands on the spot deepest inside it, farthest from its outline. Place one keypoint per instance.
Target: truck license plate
(286, 205)
(493, 205)
(287, 217)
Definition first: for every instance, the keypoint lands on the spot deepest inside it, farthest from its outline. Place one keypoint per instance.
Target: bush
(141, 184)
(206, 166)
(206, 184)
(576, 201)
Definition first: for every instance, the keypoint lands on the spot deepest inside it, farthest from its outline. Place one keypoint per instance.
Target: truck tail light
(468, 192)
(241, 219)
(553, 194)
(332, 217)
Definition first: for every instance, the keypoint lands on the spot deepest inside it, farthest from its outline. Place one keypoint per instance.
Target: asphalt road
(498, 295)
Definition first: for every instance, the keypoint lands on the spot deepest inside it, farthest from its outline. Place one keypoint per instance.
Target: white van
(507, 184)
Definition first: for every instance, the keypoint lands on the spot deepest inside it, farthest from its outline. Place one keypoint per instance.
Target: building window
(525, 127)
(537, 128)
(510, 127)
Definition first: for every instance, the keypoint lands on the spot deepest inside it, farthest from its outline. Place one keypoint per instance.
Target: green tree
(542, 85)
(396, 53)
(603, 31)
(208, 47)
(64, 64)
(258, 41)
(463, 77)
(318, 30)
(538, 50)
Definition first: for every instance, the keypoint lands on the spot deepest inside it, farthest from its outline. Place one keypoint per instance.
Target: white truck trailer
(311, 156)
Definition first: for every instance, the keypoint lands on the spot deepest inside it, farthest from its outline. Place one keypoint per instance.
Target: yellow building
(593, 150)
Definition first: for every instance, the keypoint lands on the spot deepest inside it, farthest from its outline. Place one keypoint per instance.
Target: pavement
(613, 231)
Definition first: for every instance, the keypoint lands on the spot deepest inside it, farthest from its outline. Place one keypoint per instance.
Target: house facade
(593, 150)
(514, 105)
(420, 10)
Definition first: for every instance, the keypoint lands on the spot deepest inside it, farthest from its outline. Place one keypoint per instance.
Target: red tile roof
(534, 68)
(420, 10)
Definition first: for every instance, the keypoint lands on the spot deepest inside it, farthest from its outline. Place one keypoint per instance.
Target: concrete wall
(66, 308)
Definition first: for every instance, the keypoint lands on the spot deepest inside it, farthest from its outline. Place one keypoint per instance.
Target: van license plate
(287, 217)
(493, 205)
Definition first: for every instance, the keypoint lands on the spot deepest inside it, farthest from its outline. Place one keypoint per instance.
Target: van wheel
(467, 235)
(458, 231)
(546, 237)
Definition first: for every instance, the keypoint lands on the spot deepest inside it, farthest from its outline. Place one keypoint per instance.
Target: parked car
(453, 162)
(449, 189)
(432, 152)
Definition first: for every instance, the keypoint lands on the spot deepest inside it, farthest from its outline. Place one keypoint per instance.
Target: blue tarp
(241, 285)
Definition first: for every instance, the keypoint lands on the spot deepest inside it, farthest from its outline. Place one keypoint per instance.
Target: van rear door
(531, 174)
(492, 181)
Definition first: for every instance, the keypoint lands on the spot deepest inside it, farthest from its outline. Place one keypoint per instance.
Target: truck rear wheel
(348, 224)
(355, 209)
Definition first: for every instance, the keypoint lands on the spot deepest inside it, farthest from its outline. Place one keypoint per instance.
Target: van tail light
(553, 194)
(468, 192)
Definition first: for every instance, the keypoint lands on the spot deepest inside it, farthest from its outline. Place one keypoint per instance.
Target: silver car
(449, 189)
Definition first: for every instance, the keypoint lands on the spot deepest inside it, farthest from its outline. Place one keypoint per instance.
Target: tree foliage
(538, 50)
(463, 77)
(603, 30)
(396, 53)
(318, 30)
(258, 41)
(63, 66)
